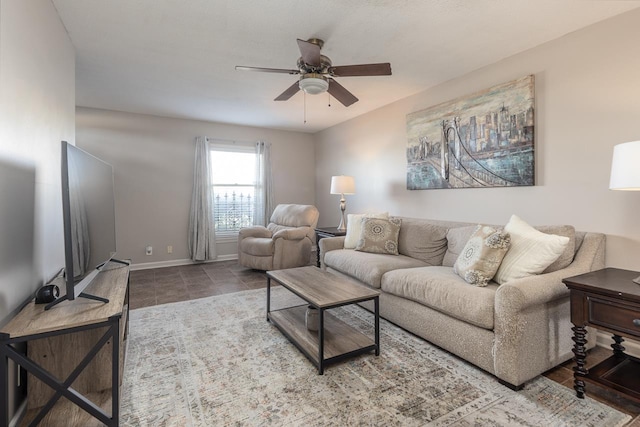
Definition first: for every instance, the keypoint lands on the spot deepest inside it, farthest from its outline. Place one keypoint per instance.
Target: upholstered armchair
(285, 243)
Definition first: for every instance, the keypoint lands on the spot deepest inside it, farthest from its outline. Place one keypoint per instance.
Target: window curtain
(202, 246)
(264, 184)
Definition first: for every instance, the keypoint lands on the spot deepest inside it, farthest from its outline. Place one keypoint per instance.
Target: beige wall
(37, 111)
(587, 100)
(153, 167)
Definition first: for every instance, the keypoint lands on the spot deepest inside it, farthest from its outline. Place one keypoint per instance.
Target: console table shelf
(75, 354)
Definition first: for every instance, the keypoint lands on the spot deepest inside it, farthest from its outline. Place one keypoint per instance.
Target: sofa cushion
(456, 239)
(482, 255)
(440, 288)
(379, 236)
(367, 267)
(531, 251)
(421, 240)
(354, 227)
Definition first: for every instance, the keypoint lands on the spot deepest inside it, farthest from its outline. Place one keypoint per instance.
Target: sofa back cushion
(569, 252)
(422, 240)
(457, 238)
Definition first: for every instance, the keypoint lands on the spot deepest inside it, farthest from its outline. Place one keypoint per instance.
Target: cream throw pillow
(482, 255)
(354, 227)
(531, 251)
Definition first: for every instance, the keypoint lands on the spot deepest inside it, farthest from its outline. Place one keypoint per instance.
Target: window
(233, 168)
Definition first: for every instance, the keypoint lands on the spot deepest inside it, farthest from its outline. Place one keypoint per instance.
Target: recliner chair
(285, 243)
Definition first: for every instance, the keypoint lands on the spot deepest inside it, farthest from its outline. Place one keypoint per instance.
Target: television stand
(75, 356)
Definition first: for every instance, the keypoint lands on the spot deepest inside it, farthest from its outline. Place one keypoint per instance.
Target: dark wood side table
(607, 300)
(323, 232)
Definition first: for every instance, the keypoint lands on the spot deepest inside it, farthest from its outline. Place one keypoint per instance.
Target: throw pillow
(531, 251)
(354, 227)
(482, 255)
(379, 236)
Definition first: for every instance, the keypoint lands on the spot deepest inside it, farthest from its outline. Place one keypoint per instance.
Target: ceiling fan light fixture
(313, 84)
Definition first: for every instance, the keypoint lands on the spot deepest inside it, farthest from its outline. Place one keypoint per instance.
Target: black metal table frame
(322, 362)
(63, 388)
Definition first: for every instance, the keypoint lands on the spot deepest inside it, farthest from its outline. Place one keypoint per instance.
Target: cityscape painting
(481, 140)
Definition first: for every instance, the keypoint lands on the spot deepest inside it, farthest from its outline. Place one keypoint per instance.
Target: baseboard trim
(178, 262)
(603, 339)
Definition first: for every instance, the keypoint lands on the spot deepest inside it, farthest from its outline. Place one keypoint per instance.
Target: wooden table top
(608, 281)
(33, 319)
(321, 288)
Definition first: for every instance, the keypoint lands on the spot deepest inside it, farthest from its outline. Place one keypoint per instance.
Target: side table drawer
(614, 315)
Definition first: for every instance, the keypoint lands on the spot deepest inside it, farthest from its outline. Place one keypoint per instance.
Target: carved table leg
(580, 352)
(618, 348)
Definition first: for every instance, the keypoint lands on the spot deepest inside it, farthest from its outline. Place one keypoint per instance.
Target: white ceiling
(176, 58)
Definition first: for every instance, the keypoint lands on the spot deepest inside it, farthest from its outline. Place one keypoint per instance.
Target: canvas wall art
(481, 140)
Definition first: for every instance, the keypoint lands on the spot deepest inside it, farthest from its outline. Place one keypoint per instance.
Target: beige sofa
(515, 331)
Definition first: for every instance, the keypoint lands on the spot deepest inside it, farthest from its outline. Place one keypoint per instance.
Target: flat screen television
(88, 208)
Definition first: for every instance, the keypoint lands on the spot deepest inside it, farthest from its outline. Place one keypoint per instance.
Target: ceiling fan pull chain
(304, 97)
(329, 99)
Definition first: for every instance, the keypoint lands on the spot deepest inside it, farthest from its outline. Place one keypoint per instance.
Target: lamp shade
(625, 167)
(343, 184)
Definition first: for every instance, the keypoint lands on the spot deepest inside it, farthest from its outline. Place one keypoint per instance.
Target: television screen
(89, 216)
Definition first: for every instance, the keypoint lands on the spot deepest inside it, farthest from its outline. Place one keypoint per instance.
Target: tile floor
(172, 284)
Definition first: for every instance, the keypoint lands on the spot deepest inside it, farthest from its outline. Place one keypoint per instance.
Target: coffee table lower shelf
(340, 339)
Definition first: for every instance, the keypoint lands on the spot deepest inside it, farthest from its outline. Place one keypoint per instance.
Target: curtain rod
(233, 141)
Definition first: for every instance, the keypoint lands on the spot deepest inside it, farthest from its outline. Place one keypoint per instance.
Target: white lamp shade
(343, 184)
(625, 167)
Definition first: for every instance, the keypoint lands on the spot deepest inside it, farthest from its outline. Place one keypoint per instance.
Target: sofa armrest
(329, 244)
(297, 233)
(255, 231)
(532, 317)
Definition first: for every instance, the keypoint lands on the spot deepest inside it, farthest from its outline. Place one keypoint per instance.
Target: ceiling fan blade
(310, 52)
(382, 69)
(340, 93)
(266, 70)
(291, 90)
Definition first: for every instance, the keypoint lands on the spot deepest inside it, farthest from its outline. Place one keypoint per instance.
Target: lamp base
(343, 219)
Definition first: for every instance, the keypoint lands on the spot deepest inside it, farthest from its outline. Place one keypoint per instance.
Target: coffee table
(335, 340)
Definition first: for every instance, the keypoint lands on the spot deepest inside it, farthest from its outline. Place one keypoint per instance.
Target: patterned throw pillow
(354, 227)
(482, 255)
(379, 236)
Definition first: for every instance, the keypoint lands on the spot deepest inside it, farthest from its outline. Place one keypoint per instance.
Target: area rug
(217, 362)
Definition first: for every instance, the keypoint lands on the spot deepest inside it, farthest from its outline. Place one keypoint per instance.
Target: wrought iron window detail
(232, 208)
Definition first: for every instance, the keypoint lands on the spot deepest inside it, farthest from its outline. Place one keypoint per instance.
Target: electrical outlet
(149, 250)
(169, 249)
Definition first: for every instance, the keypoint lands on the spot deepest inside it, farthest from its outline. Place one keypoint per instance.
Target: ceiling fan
(317, 73)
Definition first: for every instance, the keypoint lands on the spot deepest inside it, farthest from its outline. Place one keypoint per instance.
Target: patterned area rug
(217, 361)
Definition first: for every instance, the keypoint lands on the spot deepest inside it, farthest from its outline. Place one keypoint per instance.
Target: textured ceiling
(176, 58)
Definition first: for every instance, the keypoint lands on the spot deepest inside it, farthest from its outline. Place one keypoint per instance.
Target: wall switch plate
(169, 249)
(149, 250)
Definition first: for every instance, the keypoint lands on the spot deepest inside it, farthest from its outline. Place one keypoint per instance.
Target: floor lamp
(625, 170)
(342, 185)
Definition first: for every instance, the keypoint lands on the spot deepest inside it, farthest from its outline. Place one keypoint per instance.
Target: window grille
(233, 208)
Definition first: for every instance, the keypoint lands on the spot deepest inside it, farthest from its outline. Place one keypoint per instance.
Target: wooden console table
(323, 232)
(607, 300)
(77, 343)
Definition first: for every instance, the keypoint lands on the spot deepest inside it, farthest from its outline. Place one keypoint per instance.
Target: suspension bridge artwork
(481, 140)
